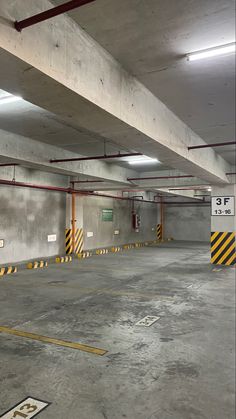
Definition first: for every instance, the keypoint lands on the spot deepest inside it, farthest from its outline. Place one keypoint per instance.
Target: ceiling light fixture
(9, 99)
(212, 52)
(143, 160)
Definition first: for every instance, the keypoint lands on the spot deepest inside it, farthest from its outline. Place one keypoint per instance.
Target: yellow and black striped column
(69, 246)
(159, 232)
(79, 241)
(223, 248)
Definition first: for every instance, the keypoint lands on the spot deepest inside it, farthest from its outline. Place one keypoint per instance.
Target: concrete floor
(182, 367)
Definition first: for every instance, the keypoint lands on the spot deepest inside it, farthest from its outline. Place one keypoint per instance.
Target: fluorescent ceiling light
(212, 52)
(142, 160)
(9, 99)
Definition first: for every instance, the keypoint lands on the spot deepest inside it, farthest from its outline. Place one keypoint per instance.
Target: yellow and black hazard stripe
(159, 231)
(223, 248)
(128, 246)
(63, 259)
(116, 249)
(102, 251)
(79, 240)
(8, 270)
(69, 244)
(37, 264)
(84, 255)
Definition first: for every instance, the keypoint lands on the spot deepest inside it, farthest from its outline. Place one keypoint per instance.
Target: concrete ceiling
(151, 39)
(28, 120)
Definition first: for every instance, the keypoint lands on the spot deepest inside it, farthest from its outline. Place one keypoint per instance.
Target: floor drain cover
(147, 321)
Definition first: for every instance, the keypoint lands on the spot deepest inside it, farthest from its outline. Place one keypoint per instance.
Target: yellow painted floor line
(45, 339)
(122, 293)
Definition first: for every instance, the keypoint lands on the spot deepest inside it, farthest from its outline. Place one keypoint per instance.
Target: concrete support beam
(36, 154)
(60, 68)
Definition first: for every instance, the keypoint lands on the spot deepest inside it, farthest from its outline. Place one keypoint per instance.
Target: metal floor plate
(147, 321)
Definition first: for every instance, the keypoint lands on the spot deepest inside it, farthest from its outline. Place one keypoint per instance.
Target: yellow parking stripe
(45, 339)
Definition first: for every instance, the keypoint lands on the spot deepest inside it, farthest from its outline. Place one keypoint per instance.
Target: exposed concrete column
(79, 239)
(223, 228)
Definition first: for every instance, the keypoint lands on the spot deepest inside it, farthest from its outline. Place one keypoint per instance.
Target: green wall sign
(107, 214)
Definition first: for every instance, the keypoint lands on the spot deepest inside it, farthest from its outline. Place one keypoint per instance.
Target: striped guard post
(101, 251)
(84, 255)
(68, 241)
(63, 259)
(8, 270)
(159, 232)
(79, 241)
(37, 264)
(223, 248)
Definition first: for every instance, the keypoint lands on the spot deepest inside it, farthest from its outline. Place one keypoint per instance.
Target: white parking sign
(222, 205)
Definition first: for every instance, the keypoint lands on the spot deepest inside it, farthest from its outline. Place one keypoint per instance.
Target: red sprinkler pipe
(186, 203)
(87, 193)
(160, 177)
(65, 190)
(48, 14)
(86, 181)
(8, 164)
(211, 145)
(103, 157)
(33, 186)
(123, 198)
(166, 196)
(188, 189)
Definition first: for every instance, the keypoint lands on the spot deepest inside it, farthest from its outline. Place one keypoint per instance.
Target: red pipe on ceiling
(65, 190)
(160, 177)
(96, 195)
(211, 145)
(103, 157)
(8, 164)
(188, 189)
(48, 14)
(86, 181)
(185, 203)
(33, 186)
(138, 200)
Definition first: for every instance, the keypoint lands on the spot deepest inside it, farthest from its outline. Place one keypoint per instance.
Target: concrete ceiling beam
(25, 151)
(62, 69)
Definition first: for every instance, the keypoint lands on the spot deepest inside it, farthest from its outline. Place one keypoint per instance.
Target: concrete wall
(104, 230)
(188, 223)
(28, 216)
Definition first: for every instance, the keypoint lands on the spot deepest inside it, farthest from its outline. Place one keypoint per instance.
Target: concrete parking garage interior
(117, 209)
